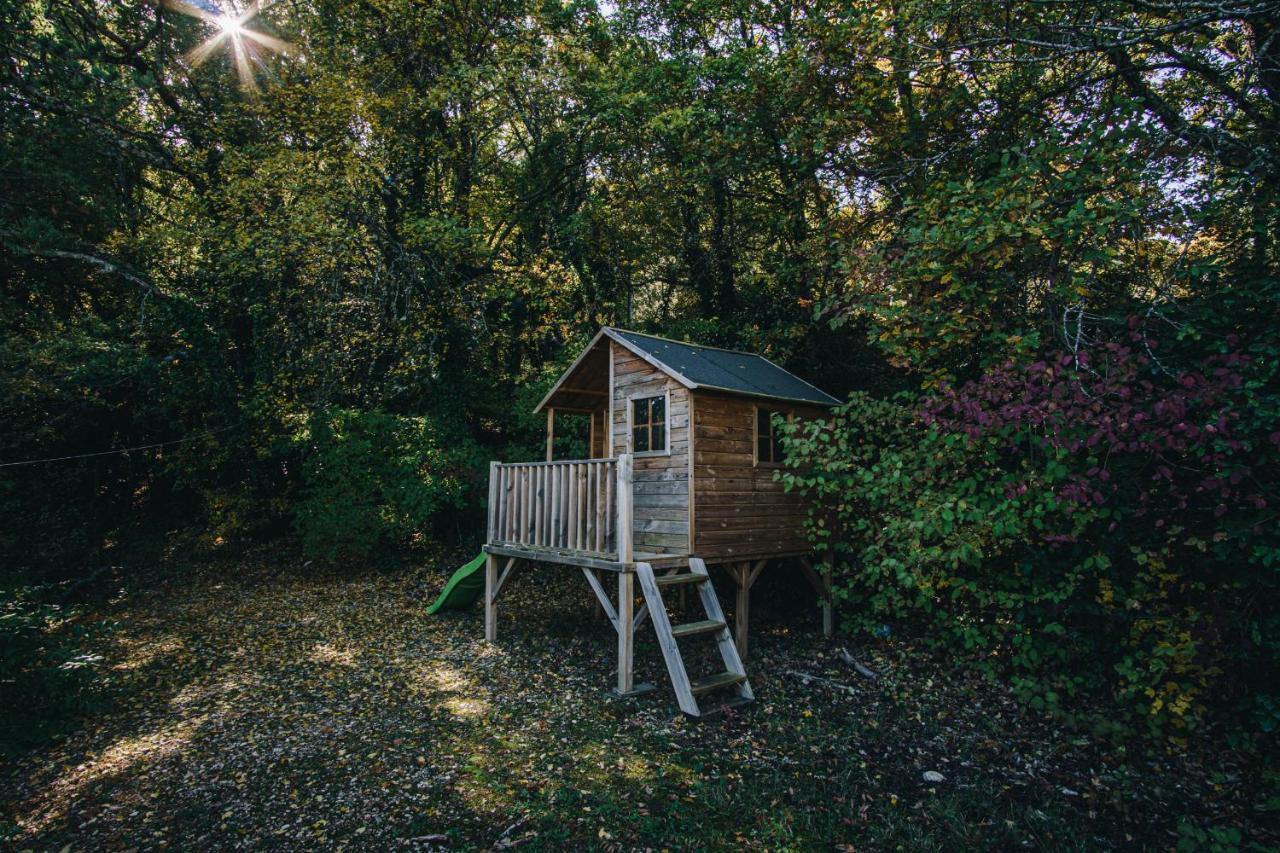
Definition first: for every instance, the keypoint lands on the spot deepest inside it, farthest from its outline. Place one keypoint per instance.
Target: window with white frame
(649, 424)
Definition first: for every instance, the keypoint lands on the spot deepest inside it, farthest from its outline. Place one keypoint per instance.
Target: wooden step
(715, 682)
(673, 580)
(692, 629)
(733, 677)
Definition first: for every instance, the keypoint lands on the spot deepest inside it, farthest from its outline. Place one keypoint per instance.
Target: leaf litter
(263, 703)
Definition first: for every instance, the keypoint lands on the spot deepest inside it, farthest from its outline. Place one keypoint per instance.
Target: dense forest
(299, 276)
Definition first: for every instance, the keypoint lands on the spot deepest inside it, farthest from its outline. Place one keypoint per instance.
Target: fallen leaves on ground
(263, 703)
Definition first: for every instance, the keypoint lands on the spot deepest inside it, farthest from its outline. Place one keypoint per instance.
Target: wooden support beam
(815, 581)
(641, 615)
(493, 584)
(741, 606)
(595, 573)
(490, 604)
(602, 597)
(626, 633)
(502, 580)
(744, 575)
(605, 563)
(821, 583)
(551, 431)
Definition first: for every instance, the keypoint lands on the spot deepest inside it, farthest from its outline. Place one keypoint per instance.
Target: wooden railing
(583, 506)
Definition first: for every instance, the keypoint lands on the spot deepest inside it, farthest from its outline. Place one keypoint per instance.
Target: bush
(1088, 524)
(46, 674)
(374, 483)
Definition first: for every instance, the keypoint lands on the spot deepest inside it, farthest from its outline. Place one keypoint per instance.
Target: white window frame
(756, 461)
(631, 413)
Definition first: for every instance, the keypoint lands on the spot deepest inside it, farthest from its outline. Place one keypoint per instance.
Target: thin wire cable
(113, 452)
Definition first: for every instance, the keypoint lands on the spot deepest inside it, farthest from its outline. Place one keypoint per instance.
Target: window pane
(762, 423)
(659, 436)
(640, 439)
(763, 448)
(659, 411)
(639, 412)
(777, 448)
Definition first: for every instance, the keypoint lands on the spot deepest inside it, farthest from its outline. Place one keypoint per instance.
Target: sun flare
(231, 26)
(248, 46)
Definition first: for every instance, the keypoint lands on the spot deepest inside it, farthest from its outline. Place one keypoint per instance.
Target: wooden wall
(661, 482)
(739, 511)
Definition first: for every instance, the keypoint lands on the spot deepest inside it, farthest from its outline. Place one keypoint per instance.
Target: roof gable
(696, 366)
(710, 368)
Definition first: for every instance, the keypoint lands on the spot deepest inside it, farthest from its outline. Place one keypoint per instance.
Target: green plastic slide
(463, 588)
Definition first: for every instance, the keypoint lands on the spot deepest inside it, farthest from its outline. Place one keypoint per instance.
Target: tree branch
(106, 265)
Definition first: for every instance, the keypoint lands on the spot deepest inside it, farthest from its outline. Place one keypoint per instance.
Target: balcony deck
(605, 562)
(576, 512)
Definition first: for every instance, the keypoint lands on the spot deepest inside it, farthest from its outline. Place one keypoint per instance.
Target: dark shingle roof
(726, 370)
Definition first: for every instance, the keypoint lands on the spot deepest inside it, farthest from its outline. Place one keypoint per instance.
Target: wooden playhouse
(681, 476)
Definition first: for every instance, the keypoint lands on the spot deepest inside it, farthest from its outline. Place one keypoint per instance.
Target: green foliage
(1057, 212)
(46, 674)
(1071, 574)
(927, 528)
(323, 306)
(374, 483)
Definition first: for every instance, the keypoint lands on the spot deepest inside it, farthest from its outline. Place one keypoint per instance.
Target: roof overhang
(613, 335)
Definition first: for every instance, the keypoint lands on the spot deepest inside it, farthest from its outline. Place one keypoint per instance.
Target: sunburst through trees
(248, 46)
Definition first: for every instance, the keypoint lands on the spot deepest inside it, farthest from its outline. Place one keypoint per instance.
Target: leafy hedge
(1089, 524)
(47, 673)
(373, 482)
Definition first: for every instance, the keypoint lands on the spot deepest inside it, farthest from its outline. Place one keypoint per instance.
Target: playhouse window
(649, 424)
(768, 441)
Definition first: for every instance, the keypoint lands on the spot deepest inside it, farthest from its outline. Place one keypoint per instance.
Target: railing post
(493, 503)
(624, 508)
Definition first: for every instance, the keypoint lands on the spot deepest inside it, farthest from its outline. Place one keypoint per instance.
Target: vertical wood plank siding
(661, 490)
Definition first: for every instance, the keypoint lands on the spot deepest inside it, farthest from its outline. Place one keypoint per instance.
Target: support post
(491, 599)
(625, 523)
(626, 639)
(626, 582)
(551, 431)
(742, 574)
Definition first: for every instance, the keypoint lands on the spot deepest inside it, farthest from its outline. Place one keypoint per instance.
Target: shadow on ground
(265, 705)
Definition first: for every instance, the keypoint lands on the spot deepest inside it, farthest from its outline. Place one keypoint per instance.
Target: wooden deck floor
(592, 561)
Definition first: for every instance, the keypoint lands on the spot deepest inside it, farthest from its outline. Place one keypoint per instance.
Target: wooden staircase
(734, 676)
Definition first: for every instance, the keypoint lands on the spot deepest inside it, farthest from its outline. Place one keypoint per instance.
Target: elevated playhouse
(681, 476)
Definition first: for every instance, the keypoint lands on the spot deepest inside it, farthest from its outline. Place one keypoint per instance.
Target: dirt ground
(262, 703)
